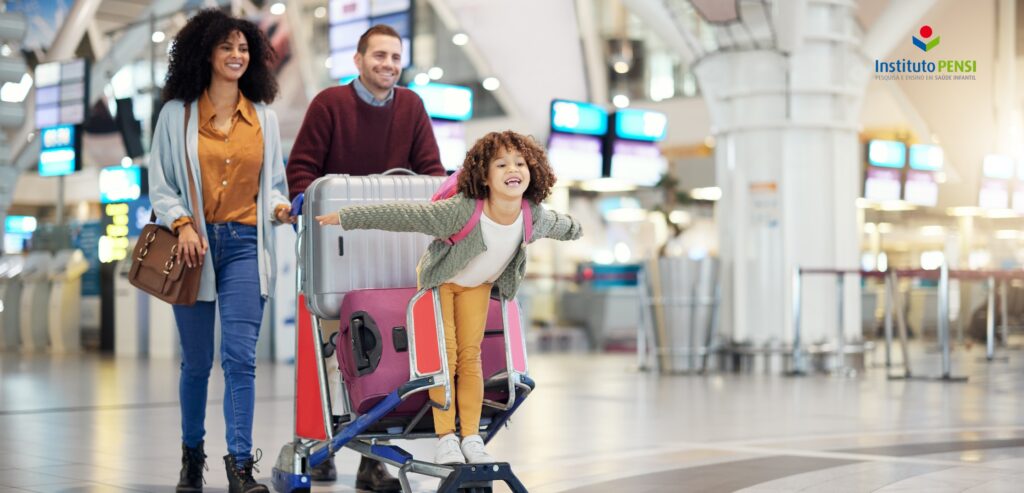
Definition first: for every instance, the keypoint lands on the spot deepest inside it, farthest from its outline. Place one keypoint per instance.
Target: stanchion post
(1004, 321)
(888, 321)
(797, 358)
(840, 336)
(990, 319)
(901, 323)
(943, 309)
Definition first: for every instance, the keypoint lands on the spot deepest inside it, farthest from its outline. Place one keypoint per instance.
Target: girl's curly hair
(188, 74)
(473, 177)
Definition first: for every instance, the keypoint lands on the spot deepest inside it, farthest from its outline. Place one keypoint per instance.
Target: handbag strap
(188, 171)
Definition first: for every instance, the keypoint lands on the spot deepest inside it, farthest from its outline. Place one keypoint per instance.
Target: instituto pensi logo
(930, 67)
(926, 44)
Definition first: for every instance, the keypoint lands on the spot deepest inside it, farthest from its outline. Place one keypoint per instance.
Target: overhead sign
(578, 118)
(887, 153)
(446, 101)
(20, 224)
(634, 124)
(58, 154)
(349, 19)
(61, 93)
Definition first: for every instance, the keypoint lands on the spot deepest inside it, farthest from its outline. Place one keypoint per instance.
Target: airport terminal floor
(594, 425)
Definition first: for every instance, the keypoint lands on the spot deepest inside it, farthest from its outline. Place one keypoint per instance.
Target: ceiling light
(620, 67)
(682, 218)
(277, 9)
(607, 185)
(1001, 214)
(707, 193)
(620, 101)
(491, 84)
(5, 50)
(884, 228)
(964, 211)
(933, 230)
(421, 79)
(126, 162)
(320, 12)
(1007, 234)
(158, 37)
(896, 206)
(328, 63)
(435, 73)
(460, 39)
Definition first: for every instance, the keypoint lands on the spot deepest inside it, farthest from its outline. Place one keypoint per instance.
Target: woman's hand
(329, 220)
(283, 215)
(191, 248)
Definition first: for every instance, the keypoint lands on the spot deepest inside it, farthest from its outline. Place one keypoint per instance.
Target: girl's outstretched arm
(439, 219)
(557, 226)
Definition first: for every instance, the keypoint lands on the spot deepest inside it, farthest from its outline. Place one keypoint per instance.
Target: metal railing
(894, 312)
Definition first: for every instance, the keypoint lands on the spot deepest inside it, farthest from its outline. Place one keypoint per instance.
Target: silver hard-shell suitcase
(335, 262)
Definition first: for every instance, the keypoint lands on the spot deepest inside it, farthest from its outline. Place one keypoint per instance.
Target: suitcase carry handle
(395, 171)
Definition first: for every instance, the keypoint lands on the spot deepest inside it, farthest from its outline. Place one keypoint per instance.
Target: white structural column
(787, 158)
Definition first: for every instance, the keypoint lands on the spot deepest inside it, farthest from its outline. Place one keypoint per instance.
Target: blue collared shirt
(368, 97)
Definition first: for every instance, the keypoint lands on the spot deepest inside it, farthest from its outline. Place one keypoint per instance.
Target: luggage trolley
(399, 407)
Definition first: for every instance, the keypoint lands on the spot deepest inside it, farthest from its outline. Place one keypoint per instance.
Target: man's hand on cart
(297, 210)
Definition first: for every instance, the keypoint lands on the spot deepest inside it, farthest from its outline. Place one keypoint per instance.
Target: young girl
(501, 169)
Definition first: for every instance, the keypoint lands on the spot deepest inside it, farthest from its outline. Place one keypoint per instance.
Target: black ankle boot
(193, 462)
(374, 476)
(325, 471)
(240, 478)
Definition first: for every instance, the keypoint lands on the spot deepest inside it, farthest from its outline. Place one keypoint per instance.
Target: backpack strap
(464, 232)
(475, 218)
(527, 222)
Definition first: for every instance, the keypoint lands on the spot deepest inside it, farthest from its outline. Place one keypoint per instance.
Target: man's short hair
(383, 29)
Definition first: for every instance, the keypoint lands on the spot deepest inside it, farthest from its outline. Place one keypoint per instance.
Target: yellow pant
(464, 311)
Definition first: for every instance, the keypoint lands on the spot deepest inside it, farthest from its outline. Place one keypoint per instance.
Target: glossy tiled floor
(87, 423)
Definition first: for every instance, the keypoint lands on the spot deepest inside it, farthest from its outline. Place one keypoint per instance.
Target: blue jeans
(233, 251)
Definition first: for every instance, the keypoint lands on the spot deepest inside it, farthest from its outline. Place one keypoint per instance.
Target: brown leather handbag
(156, 267)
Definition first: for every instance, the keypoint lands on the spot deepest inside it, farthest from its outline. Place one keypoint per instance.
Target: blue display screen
(20, 224)
(887, 153)
(578, 118)
(57, 155)
(926, 157)
(446, 101)
(636, 124)
(120, 184)
(57, 162)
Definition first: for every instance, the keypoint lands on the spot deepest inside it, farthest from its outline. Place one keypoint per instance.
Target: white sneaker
(473, 450)
(447, 451)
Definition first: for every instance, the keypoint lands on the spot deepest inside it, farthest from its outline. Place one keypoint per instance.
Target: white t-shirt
(502, 242)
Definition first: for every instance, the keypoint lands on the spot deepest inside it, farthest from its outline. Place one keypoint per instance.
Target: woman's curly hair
(473, 177)
(189, 72)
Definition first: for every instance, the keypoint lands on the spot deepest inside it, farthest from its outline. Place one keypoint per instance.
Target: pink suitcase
(373, 348)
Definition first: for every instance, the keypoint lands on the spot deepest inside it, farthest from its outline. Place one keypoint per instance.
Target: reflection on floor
(87, 423)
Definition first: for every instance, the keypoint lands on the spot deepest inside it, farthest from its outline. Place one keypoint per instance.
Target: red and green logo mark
(926, 44)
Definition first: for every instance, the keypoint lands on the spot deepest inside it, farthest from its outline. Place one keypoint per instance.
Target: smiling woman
(216, 130)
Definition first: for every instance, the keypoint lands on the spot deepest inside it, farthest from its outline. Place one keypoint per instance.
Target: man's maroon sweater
(343, 134)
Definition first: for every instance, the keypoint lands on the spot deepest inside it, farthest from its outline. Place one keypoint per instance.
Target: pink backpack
(450, 187)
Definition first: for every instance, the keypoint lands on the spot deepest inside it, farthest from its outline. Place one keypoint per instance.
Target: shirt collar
(368, 96)
(244, 109)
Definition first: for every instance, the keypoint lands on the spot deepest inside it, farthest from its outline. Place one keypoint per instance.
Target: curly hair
(188, 74)
(473, 177)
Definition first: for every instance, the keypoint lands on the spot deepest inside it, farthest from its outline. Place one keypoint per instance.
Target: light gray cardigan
(169, 190)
